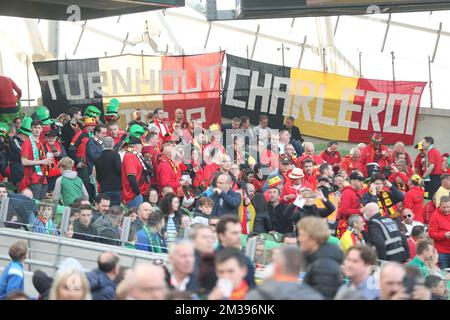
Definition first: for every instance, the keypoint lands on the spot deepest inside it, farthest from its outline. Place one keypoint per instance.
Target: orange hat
(89, 122)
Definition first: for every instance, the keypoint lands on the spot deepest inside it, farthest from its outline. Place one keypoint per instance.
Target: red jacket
(168, 174)
(288, 189)
(350, 203)
(152, 154)
(312, 179)
(53, 170)
(414, 200)
(317, 160)
(209, 170)
(408, 161)
(428, 211)
(412, 247)
(349, 165)
(368, 155)
(258, 184)
(439, 225)
(80, 144)
(331, 158)
(7, 97)
(419, 164)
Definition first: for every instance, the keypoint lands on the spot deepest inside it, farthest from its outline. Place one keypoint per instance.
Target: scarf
(155, 245)
(163, 130)
(240, 292)
(49, 225)
(35, 150)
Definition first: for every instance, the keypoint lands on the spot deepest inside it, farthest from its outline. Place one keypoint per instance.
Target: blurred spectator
(42, 283)
(182, 259)
(229, 233)
(70, 284)
(102, 280)
(231, 268)
(354, 234)
(146, 282)
(12, 277)
(424, 253)
(392, 284)
(358, 264)
(323, 260)
(284, 284)
(438, 287)
(417, 233)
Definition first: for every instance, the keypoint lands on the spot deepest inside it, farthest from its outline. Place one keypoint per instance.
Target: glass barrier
(83, 223)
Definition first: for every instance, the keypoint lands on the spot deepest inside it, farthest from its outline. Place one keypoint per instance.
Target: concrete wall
(431, 122)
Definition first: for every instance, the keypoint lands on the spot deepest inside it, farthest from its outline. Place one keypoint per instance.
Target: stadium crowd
(199, 194)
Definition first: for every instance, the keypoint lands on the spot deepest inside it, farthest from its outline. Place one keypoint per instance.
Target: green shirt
(419, 264)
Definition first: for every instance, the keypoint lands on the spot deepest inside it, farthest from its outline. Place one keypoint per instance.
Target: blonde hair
(63, 277)
(316, 228)
(66, 163)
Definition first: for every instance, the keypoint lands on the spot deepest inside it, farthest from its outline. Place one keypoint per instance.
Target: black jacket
(102, 287)
(67, 134)
(295, 133)
(307, 211)
(82, 232)
(395, 194)
(263, 222)
(109, 170)
(14, 157)
(231, 202)
(385, 236)
(281, 218)
(323, 270)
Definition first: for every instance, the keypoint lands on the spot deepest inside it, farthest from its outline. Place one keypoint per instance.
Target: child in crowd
(205, 207)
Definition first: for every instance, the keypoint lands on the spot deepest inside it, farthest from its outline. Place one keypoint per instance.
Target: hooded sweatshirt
(69, 187)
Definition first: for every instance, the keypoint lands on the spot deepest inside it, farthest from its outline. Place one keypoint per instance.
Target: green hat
(112, 108)
(92, 111)
(4, 129)
(136, 130)
(43, 114)
(25, 127)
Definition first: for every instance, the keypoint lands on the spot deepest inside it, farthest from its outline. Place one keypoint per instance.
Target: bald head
(144, 211)
(108, 262)
(391, 280)
(371, 209)
(147, 282)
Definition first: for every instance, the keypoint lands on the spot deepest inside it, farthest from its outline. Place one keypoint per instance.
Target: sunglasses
(407, 216)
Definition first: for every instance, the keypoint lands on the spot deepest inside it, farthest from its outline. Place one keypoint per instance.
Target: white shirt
(409, 227)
